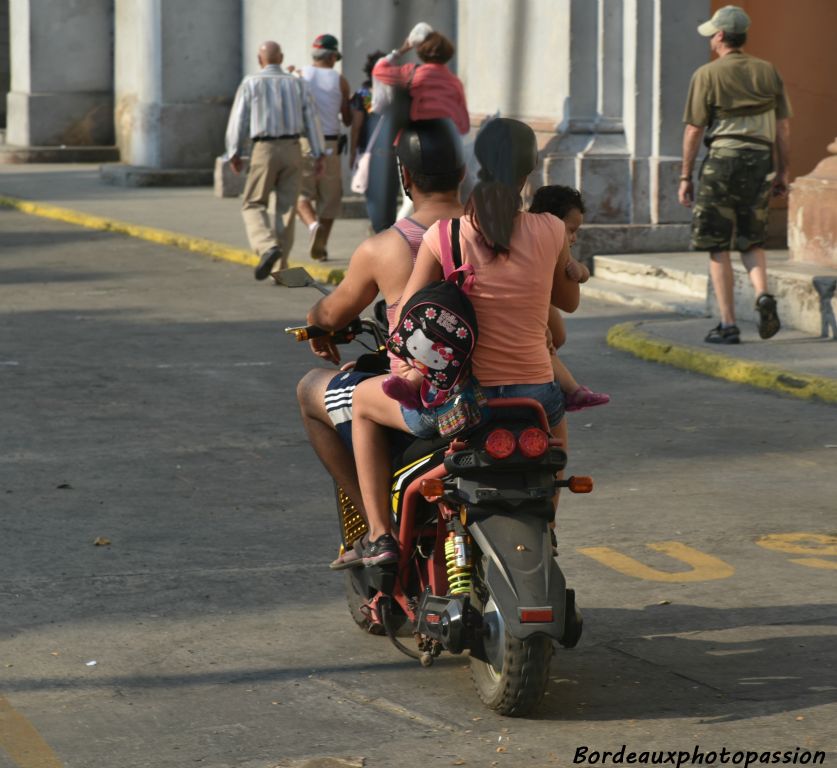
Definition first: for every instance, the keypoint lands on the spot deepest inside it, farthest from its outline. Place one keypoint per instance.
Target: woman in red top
(434, 90)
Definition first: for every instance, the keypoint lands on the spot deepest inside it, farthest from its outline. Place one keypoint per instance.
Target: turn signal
(500, 444)
(533, 442)
(580, 484)
(432, 489)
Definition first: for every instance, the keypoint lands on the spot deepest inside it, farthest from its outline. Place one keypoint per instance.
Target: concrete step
(643, 297)
(679, 283)
(685, 274)
(805, 294)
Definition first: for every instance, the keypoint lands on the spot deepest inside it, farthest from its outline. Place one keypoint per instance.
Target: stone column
(678, 51)
(812, 214)
(61, 73)
(177, 66)
(604, 168)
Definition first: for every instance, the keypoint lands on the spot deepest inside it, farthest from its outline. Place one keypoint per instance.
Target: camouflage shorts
(733, 191)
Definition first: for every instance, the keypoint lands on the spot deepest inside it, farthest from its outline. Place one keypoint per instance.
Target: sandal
(584, 397)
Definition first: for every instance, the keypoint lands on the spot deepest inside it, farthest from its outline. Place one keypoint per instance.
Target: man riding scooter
(432, 165)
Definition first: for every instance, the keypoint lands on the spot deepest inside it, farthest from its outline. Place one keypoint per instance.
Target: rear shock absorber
(458, 562)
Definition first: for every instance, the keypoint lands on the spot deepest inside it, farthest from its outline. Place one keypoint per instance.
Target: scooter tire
(519, 686)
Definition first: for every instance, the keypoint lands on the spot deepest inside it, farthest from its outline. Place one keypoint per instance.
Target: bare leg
(306, 211)
(755, 261)
(372, 410)
(563, 376)
(325, 441)
(720, 270)
(560, 431)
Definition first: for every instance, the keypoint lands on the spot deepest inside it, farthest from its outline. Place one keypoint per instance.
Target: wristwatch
(685, 178)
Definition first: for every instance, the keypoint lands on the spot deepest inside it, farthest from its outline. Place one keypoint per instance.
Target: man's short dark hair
(557, 200)
(440, 182)
(733, 39)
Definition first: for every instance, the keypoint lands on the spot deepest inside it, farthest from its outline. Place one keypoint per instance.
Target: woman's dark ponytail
(507, 153)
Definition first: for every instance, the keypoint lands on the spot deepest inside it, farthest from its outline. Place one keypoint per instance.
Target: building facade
(603, 82)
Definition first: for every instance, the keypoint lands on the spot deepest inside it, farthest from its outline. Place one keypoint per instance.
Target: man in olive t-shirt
(739, 101)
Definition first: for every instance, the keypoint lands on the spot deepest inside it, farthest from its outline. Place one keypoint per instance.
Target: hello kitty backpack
(437, 331)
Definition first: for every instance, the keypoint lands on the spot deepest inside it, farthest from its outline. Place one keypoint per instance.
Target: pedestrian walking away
(434, 91)
(273, 109)
(372, 132)
(324, 190)
(737, 104)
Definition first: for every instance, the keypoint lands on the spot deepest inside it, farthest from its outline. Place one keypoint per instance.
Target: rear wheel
(513, 680)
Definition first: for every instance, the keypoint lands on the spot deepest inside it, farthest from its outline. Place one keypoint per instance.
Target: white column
(177, 66)
(604, 168)
(61, 73)
(678, 51)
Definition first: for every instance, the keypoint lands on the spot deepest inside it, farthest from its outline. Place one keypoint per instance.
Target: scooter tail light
(535, 615)
(533, 442)
(500, 444)
(580, 484)
(432, 489)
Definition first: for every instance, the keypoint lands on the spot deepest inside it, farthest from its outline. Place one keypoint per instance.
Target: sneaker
(769, 324)
(352, 557)
(721, 335)
(319, 240)
(583, 397)
(268, 259)
(382, 551)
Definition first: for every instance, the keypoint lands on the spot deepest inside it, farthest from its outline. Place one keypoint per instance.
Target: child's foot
(401, 390)
(584, 398)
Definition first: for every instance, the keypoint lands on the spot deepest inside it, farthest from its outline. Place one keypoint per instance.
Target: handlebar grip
(306, 332)
(342, 336)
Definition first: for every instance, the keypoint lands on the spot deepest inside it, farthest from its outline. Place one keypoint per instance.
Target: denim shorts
(549, 395)
(421, 422)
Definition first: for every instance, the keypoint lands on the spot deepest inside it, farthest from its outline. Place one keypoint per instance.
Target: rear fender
(520, 571)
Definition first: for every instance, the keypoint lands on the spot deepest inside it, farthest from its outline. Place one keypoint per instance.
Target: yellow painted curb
(160, 236)
(629, 337)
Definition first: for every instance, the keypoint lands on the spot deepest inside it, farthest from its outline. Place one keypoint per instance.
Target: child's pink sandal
(583, 397)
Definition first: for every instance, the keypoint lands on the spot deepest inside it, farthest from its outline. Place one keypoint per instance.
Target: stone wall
(61, 73)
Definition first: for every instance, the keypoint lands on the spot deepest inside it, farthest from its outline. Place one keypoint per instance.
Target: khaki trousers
(275, 166)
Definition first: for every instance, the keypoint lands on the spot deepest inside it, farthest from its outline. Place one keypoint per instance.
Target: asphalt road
(147, 397)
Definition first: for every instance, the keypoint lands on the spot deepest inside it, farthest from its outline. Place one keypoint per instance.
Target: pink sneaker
(584, 398)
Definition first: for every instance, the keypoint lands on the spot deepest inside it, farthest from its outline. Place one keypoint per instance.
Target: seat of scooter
(408, 448)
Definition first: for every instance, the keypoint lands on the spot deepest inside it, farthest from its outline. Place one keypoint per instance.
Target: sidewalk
(193, 212)
(793, 362)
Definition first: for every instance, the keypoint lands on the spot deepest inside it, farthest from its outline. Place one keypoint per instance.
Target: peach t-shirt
(511, 295)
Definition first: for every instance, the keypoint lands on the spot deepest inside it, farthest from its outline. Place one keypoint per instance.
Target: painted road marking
(22, 742)
(703, 567)
(804, 543)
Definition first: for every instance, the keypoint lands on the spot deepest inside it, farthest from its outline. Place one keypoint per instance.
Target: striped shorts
(338, 402)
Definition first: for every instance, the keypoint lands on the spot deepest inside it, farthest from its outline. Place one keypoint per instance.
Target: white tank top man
(330, 91)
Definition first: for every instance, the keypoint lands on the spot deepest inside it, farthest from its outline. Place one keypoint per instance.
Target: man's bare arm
(345, 111)
(357, 291)
(692, 134)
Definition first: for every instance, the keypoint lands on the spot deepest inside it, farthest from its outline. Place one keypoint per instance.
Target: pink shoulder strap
(450, 270)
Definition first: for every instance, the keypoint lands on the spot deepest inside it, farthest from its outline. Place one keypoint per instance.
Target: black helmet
(430, 148)
(507, 151)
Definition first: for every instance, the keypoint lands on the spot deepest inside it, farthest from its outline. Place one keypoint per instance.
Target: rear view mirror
(298, 277)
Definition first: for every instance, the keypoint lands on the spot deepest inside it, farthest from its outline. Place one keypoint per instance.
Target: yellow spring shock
(458, 563)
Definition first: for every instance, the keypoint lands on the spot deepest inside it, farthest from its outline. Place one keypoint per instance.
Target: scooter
(477, 569)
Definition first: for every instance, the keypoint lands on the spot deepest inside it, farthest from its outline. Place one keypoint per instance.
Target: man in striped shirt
(272, 108)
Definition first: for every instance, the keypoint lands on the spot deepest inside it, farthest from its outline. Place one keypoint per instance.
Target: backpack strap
(452, 266)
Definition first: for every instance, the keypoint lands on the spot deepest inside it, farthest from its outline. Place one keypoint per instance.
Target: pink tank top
(412, 232)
